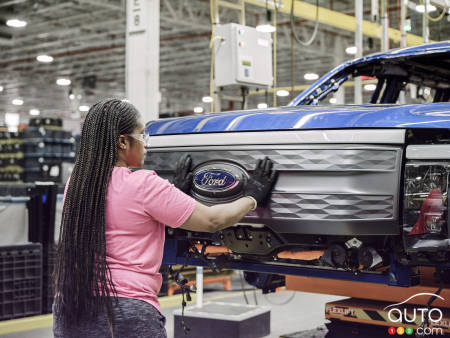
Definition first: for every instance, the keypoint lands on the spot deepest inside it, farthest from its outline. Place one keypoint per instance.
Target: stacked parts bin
(20, 281)
(10, 156)
(46, 146)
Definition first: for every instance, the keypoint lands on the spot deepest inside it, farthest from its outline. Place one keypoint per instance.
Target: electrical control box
(243, 56)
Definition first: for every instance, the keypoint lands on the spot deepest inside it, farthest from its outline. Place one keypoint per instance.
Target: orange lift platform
(394, 309)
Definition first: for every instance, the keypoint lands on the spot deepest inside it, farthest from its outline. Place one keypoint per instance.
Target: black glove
(183, 175)
(260, 184)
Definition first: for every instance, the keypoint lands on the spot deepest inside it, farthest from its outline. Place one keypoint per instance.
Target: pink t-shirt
(138, 204)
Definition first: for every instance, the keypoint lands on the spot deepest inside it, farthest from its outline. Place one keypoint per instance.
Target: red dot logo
(392, 331)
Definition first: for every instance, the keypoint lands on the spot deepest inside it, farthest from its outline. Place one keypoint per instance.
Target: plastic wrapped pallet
(13, 220)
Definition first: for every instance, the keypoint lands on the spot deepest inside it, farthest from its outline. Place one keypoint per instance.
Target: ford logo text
(215, 179)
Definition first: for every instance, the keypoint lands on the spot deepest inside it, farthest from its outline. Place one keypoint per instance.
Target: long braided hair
(82, 279)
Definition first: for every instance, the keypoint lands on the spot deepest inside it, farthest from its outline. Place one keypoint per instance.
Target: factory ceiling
(86, 39)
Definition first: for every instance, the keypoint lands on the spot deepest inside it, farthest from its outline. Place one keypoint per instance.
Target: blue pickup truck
(364, 186)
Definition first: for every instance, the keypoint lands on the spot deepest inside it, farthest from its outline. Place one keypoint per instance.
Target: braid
(82, 278)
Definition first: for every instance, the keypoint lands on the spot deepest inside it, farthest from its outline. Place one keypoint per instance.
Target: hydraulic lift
(372, 294)
(174, 253)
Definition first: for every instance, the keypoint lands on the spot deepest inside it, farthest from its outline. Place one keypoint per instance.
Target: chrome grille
(331, 207)
(287, 159)
(340, 189)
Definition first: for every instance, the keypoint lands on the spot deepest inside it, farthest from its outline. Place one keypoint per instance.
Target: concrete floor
(304, 312)
(290, 311)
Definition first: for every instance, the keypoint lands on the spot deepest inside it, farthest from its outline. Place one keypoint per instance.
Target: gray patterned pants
(133, 319)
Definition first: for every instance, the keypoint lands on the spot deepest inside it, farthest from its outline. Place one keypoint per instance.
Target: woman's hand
(260, 184)
(183, 175)
(220, 216)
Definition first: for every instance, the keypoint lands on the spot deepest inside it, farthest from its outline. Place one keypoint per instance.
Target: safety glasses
(145, 138)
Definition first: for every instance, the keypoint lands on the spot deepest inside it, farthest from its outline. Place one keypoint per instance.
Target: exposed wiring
(242, 3)
(316, 26)
(182, 281)
(217, 37)
(185, 294)
(212, 13)
(436, 19)
(275, 53)
(281, 303)
(244, 93)
(241, 275)
(292, 70)
(254, 296)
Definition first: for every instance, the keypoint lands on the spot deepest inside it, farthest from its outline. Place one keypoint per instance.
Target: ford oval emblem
(215, 179)
(218, 182)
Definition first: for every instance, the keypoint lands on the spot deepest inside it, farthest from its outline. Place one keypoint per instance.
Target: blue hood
(435, 115)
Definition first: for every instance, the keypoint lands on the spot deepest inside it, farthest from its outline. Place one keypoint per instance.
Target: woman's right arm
(218, 217)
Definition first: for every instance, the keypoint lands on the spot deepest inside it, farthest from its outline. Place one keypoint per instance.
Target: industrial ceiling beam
(104, 4)
(336, 19)
(52, 8)
(11, 3)
(74, 32)
(64, 21)
(300, 88)
(6, 42)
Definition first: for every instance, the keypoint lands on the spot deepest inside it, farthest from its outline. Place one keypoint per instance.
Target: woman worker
(111, 243)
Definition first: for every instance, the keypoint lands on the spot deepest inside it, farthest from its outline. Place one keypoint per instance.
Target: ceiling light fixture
(311, 76)
(17, 102)
(198, 110)
(421, 8)
(16, 23)
(63, 82)
(262, 105)
(266, 28)
(351, 50)
(1, 89)
(34, 112)
(71, 96)
(370, 87)
(266, 25)
(83, 108)
(333, 100)
(282, 92)
(44, 58)
(207, 99)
